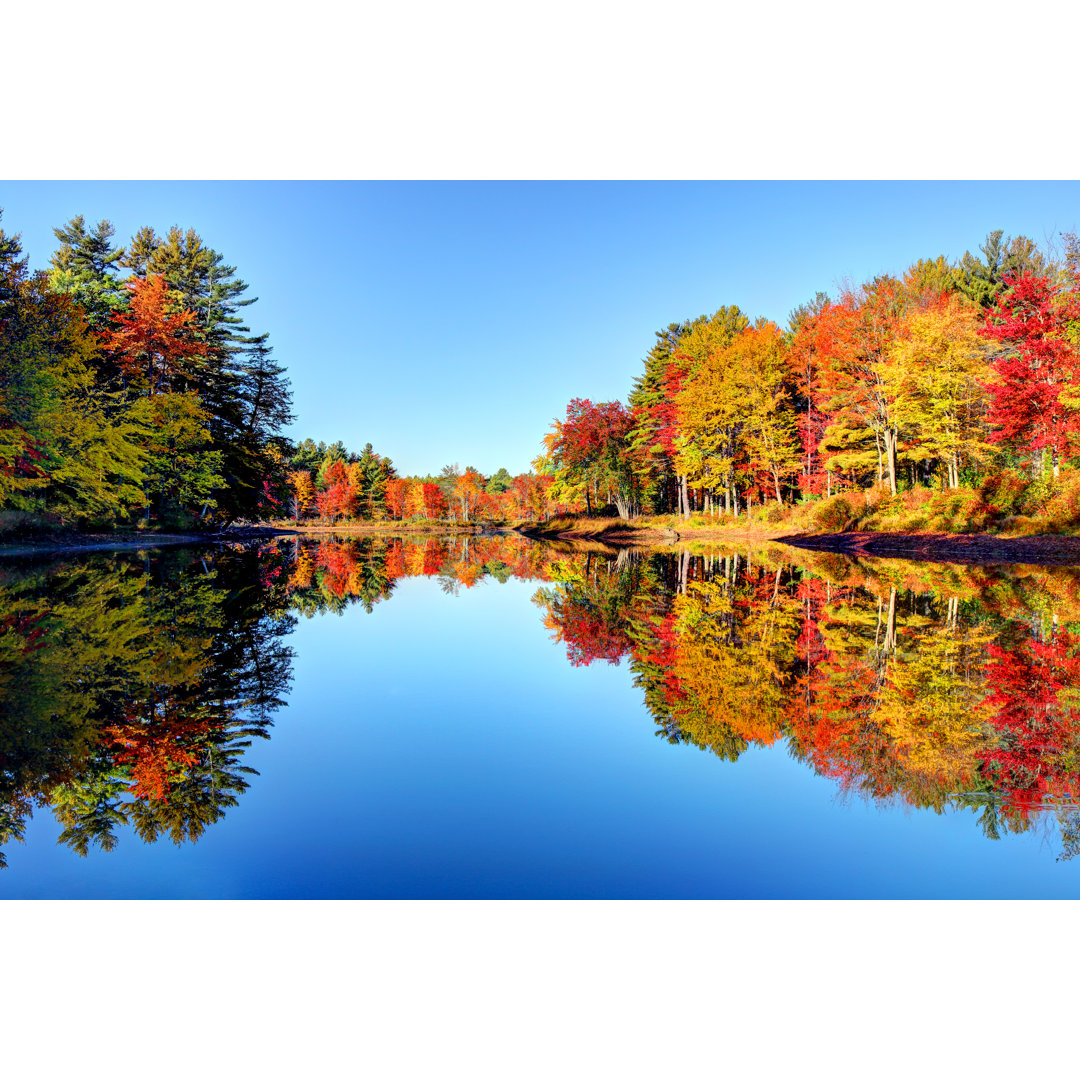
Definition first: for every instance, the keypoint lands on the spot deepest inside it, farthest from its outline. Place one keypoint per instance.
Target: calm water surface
(488, 717)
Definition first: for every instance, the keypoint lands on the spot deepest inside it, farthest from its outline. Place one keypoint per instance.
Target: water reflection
(934, 686)
(130, 688)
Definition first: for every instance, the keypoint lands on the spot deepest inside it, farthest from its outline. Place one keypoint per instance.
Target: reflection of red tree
(158, 752)
(589, 635)
(341, 562)
(1039, 728)
(831, 724)
(831, 704)
(665, 655)
(395, 560)
(337, 562)
(268, 575)
(434, 557)
(810, 647)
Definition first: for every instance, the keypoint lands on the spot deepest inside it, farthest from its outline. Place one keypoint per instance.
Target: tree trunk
(890, 624)
(890, 454)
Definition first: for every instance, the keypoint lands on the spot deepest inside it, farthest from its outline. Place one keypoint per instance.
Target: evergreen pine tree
(372, 496)
(85, 266)
(138, 253)
(982, 280)
(243, 390)
(659, 484)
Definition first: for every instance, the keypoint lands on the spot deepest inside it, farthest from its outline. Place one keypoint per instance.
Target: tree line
(332, 483)
(947, 376)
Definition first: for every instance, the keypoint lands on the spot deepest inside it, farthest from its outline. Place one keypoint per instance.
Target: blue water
(442, 746)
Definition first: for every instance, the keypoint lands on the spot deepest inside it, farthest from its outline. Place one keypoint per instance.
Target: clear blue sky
(451, 322)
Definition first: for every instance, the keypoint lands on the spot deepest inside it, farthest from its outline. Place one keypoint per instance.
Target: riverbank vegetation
(134, 396)
(943, 399)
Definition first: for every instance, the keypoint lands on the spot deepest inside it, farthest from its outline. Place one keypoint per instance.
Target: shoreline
(960, 548)
(74, 543)
(975, 549)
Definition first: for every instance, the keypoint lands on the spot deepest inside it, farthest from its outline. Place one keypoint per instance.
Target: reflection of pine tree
(988, 805)
(91, 807)
(208, 789)
(130, 695)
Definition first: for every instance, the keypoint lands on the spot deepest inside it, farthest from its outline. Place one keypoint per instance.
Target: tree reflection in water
(130, 688)
(935, 686)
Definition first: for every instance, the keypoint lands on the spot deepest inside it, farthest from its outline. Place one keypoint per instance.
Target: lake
(490, 717)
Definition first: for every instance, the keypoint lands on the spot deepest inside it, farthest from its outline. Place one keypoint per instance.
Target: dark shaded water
(487, 717)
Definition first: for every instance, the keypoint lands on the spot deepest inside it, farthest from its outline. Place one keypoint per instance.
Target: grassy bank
(1008, 504)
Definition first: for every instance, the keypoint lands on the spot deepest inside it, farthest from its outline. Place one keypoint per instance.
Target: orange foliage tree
(152, 348)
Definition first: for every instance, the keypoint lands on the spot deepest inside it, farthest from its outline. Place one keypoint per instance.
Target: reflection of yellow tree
(932, 705)
(732, 659)
(936, 373)
(304, 569)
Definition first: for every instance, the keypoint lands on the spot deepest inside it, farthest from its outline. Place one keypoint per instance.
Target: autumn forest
(140, 397)
(133, 392)
(945, 397)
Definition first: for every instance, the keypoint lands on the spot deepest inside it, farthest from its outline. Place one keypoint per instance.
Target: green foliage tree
(183, 473)
(646, 400)
(982, 280)
(499, 482)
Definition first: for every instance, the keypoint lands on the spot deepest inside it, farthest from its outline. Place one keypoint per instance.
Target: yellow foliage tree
(935, 372)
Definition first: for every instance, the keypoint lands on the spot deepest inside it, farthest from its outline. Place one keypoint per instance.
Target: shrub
(838, 512)
(16, 521)
(877, 495)
(1006, 491)
(1022, 525)
(1062, 509)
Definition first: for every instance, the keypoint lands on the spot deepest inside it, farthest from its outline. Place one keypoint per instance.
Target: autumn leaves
(940, 378)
